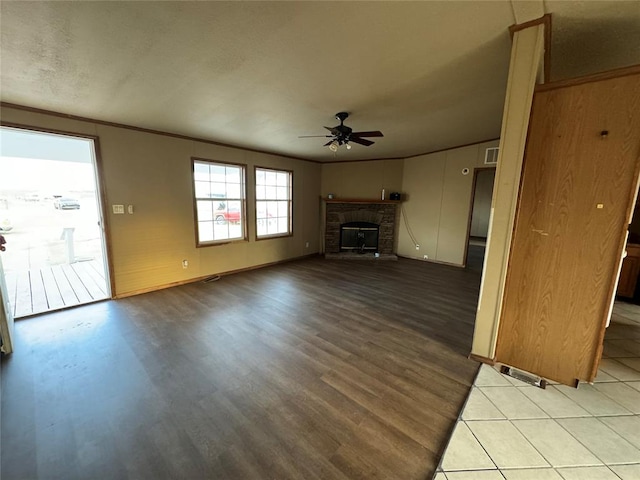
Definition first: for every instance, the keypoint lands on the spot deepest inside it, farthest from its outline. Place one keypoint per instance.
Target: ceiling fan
(343, 135)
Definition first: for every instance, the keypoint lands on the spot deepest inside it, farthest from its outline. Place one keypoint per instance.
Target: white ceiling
(430, 75)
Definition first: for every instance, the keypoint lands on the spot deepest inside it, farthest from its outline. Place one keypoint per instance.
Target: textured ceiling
(430, 75)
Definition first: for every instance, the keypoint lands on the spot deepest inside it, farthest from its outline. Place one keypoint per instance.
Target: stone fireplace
(360, 226)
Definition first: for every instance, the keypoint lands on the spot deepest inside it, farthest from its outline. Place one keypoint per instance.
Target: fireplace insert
(359, 237)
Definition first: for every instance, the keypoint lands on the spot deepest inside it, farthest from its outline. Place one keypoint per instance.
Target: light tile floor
(509, 430)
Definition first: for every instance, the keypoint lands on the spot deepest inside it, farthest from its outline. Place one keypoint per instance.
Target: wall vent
(491, 156)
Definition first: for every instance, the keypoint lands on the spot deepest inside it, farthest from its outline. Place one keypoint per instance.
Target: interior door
(577, 193)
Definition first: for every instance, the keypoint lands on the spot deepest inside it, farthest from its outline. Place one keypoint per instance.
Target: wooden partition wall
(577, 193)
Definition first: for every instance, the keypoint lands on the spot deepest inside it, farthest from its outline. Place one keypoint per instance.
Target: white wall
(362, 179)
(438, 203)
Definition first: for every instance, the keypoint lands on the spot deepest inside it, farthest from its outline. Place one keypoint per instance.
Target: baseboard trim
(481, 359)
(204, 277)
(438, 262)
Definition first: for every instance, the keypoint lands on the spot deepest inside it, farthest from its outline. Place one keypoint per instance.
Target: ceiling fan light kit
(343, 135)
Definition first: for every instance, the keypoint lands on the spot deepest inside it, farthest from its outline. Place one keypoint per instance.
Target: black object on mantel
(394, 196)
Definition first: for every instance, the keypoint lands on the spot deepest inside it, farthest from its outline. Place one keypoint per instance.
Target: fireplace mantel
(365, 201)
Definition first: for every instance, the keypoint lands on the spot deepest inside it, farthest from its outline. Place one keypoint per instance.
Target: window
(273, 202)
(219, 190)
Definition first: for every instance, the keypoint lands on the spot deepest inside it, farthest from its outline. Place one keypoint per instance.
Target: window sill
(270, 237)
(217, 243)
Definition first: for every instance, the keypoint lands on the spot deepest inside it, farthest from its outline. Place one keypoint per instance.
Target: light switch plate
(118, 209)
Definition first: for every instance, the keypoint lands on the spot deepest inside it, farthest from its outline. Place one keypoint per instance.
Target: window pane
(234, 212)
(283, 209)
(233, 175)
(261, 209)
(220, 213)
(235, 230)
(260, 176)
(217, 173)
(233, 190)
(262, 226)
(218, 190)
(205, 231)
(272, 226)
(201, 172)
(283, 225)
(282, 193)
(220, 231)
(203, 190)
(205, 210)
(271, 193)
(234, 205)
(282, 179)
(270, 178)
(272, 209)
(261, 192)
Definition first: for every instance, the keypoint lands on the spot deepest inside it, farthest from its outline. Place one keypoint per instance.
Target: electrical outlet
(185, 263)
(306, 245)
(417, 247)
(426, 257)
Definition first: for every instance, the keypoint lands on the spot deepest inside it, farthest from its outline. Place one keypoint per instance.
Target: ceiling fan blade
(315, 136)
(328, 143)
(361, 141)
(377, 133)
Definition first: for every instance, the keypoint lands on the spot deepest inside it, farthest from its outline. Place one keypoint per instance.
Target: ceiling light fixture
(333, 146)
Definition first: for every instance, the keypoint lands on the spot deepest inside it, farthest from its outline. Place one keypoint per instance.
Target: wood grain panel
(577, 192)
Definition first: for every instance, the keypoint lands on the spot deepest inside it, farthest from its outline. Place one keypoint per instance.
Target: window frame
(290, 201)
(243, 202)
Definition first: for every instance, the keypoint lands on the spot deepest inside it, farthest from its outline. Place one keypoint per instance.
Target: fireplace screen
(359, 237)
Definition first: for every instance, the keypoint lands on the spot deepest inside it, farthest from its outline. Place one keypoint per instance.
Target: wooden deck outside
(52, 288)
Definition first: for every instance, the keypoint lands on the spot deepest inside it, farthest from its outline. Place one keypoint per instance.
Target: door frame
(100, 184)
(476, 171)
(6, 316)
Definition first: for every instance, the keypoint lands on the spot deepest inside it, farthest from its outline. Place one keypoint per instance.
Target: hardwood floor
(313, 369)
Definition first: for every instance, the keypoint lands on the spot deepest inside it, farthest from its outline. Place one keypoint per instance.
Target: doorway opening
(479, 217)
(51, 218)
